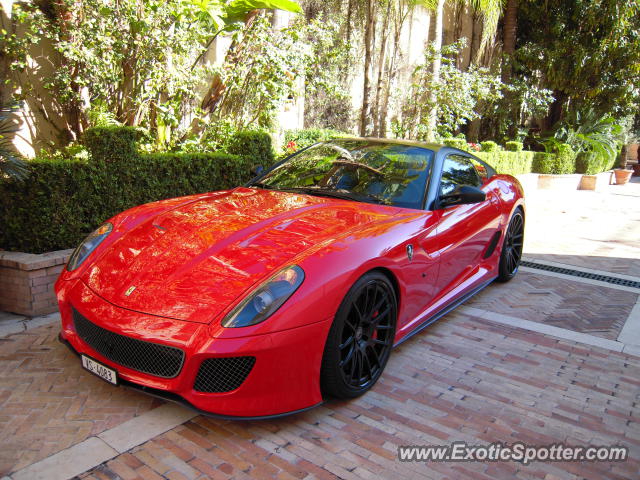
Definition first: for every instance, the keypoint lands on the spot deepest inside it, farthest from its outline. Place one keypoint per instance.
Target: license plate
(100, 370)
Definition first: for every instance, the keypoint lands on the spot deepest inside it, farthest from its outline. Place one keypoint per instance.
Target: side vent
(218, 375)
(492, 244)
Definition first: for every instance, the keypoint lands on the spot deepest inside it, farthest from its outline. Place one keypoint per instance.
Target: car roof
(431, 146)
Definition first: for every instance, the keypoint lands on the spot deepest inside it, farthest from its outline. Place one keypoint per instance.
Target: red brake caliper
(375, 331)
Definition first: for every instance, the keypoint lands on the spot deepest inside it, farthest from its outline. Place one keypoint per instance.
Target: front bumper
(284, 379)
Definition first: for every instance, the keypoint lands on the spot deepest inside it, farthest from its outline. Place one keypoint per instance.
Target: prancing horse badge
(129, 290)
(409, 252)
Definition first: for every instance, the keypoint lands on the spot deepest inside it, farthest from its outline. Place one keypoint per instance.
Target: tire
(361, 337)
(511, 248)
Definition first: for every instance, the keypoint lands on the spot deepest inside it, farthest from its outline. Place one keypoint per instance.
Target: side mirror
(257, 170)
(463, 194)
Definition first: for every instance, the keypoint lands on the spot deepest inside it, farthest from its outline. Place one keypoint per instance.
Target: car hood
(192, 262)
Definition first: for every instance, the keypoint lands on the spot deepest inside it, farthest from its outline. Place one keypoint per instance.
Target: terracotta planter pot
(544, 181)
(588, 182)
(622, 176)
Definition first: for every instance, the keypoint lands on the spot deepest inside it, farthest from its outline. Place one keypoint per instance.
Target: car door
(464, 232)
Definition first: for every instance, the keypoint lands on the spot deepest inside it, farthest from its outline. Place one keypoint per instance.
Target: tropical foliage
(455, 102)
(11, 163)
(588, 52)
(136, 63)
(591, 133)
(262, 74)
(192, 73)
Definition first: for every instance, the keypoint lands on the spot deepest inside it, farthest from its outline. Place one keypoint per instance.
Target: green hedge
(489, 146)
(111, 144)
(63, 200)
(253, 145)
(511, 163)
(308, 136)
(460, 143)
(565, 159)
(590, 163)
(542, 162)
(561, 161)
(514, 146)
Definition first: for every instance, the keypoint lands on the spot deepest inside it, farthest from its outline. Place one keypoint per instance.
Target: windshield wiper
(261, 185)
(344, 195)
(351, 163)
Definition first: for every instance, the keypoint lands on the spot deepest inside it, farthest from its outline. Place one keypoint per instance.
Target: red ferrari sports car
(264, 299)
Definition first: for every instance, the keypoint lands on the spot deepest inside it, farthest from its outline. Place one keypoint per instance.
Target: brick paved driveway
(465, 378)
(47, 401)
(468, 379)
(594, 309)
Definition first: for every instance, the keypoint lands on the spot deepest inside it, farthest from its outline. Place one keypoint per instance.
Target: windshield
(358, 170)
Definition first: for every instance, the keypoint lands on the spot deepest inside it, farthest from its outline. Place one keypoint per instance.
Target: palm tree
(589, 131)
(509, 37)
(490, 10)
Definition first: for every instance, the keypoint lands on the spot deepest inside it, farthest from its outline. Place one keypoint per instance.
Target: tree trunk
(126, 109)
(437, 62)
(509, 38)
(349, 15)
(457, 31)
(368, 50)
(555, 110)
(476, 33)
(384, 107)
(473, 131)
(73, 112)
(381, 62)
(622, 160)
(346, 72)
(392, 69)
(508, 49)
(6, 24)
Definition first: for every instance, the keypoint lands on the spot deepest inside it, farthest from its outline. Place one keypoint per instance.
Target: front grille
(159, 360)
(217, 375)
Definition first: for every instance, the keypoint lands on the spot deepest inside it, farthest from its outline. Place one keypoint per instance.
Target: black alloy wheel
(512, 248)
(361, 337)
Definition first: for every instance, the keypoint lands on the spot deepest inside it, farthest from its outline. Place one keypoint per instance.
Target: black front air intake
(153, 358)
(218, 375)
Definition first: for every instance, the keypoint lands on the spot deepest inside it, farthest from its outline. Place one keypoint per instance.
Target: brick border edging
(27, 279)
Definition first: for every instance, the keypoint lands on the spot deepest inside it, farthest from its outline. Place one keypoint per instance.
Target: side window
(481, 168)
(458, 170)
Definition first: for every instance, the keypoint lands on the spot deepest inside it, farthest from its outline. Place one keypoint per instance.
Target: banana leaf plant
(590, 132)
(12, 165)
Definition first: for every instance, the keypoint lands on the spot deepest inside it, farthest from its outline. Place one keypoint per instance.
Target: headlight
(88, 245)
(266, 299)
